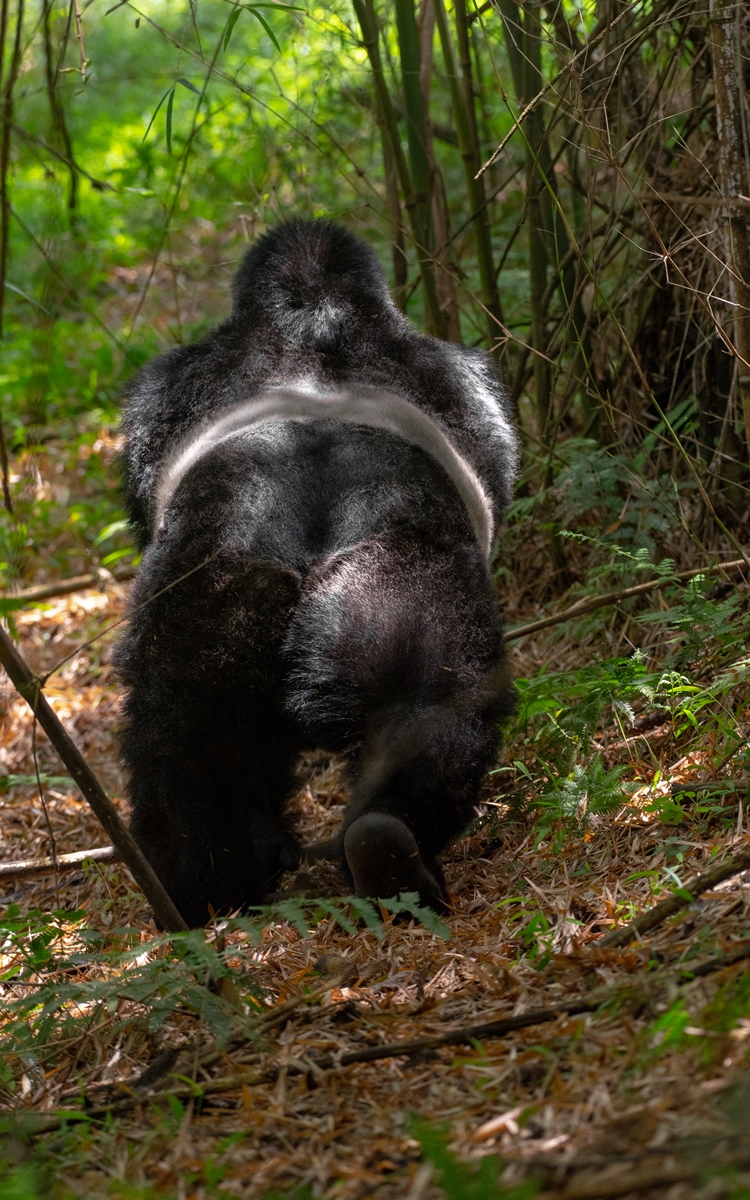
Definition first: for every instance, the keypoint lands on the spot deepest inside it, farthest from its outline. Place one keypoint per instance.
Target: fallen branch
(406, 1048)
(25, 868)
(735, 954)
(642, 1179)
(677, 901)
(140, 868)
(640, 589)
(65, 587)
(326, 1062)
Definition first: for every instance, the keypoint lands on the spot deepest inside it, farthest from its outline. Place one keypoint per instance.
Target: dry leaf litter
(588, 1105)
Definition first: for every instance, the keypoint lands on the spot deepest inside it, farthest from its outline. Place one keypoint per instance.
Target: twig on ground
(640, 1179)
(30, 687)
(280, 1012)
(22, 868)
(734, 954)
(678, 900)
(590, 604)
(406, 1048)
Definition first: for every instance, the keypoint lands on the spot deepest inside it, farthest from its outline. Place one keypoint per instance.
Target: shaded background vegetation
(144, 147)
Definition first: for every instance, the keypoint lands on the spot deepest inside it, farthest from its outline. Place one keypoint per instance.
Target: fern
(589, 790)
(698, 619)
(560, 712)
(47, 952)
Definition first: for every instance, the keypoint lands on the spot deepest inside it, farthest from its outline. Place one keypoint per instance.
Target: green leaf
(178, 1108)
(12, 288)
(109, 530)
(169, 92)
(190, 86)
(230, 26)
(266, 26)
(170, 106)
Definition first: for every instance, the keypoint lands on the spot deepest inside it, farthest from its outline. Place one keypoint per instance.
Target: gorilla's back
(312, 308)
(299, 491)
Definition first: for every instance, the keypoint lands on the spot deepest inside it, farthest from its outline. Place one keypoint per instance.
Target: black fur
(338, 596)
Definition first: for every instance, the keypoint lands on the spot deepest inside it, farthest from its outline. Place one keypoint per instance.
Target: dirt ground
(647, 1095)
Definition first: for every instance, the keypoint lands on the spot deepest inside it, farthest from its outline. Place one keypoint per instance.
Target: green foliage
(558, 717)
(169, 97)
(462, 1181)
(707, 1032)
(590, 789)
(31, 781)
(536, 935)
(560, 712)
(667, 1032)
(702, 623)
(49, 951)
(729, 1007)
(597, 487)
(20, 1182)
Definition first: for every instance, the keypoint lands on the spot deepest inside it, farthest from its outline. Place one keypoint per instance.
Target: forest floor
(645, 1094)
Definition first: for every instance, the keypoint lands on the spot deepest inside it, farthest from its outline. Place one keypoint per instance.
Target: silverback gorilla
(316, 487)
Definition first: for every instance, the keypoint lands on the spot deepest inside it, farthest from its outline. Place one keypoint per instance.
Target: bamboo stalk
(549, 243)
(678, 900)
(30, 687)
(365, 12)
(524, 55)
(7, 117)
(440, 231)
(538, 211)
(416, 133)
(462, 102)
(591, 603)
(398, 249)
(28, 867)
(733, 172)
(65, 587)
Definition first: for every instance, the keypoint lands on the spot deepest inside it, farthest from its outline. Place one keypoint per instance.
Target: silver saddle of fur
(353, 404)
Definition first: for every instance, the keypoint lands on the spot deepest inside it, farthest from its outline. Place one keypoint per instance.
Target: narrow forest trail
(649, 1095)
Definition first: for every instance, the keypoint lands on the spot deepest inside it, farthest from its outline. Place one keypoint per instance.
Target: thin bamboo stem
(7, 119)
(365, 12)
(416, 133)
(733, 174)
(462, 102)
(30, 688)
(589, 604)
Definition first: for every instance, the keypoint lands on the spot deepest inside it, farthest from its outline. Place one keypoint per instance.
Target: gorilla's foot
(327, 851)
(384, 859)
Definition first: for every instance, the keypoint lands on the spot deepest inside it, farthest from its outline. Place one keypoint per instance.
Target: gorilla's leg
(206, 743)
(397, 660)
